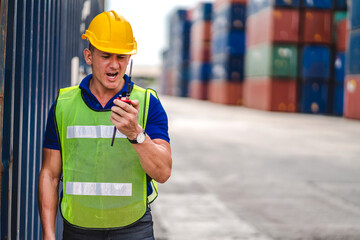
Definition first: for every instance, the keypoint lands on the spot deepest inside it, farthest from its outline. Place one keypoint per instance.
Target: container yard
(287, 56)
(263, 107)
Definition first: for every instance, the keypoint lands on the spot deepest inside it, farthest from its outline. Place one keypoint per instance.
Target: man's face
(108, 68)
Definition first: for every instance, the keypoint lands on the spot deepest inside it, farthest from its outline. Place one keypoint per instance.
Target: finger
(127, 107)
(135, 104)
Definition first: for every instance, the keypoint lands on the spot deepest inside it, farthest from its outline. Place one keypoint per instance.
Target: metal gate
(39, 41)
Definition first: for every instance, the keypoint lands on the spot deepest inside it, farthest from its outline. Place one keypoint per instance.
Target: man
(106, 189)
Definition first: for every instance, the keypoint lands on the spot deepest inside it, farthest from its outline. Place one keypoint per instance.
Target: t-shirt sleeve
(157, 122)
(50, 136)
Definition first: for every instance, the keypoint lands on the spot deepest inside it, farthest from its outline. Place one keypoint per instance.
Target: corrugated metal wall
(39, 39)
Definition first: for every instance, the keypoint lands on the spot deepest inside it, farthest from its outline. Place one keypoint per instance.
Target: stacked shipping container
(227, 51)
(340, 34)
(177, 58)
(272, 55)
(352, 81)
(200, 50)
(315, 57)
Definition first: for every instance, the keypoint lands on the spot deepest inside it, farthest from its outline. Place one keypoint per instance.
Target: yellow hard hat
(110, 32)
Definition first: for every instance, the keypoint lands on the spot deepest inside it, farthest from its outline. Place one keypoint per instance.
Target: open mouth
(112, 75)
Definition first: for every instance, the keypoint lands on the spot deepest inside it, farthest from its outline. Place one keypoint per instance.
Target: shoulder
(68, 90)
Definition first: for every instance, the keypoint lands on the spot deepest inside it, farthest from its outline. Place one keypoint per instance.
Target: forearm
(155, 158)
(48, 203)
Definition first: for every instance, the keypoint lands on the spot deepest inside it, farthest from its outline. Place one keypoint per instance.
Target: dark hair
(91, 47)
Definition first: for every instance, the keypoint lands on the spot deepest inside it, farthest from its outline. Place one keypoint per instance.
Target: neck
(102, 94)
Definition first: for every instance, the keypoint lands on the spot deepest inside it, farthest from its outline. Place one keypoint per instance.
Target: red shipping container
(342, 35)
(273, 25)
(198, 90)
(200, 51)
(220, 3)
(317, 26)
(200, 31)
(225, 92)
(352, 97)
(271, 94)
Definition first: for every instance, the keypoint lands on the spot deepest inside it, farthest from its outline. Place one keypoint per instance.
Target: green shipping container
(278, 60)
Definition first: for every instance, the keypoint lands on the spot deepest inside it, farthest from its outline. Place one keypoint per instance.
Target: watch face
(141, 137)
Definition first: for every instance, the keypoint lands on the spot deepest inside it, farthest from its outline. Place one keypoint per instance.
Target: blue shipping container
(338, 104)
(314, 96)
(353, 54)
(339, 67)
(231, 17)
(315, 62)
(340, 4)
(200, 71)
(203, 12)
(320, 4)
(228, 68)
(231, 43)
(354, 14)
(255, 6)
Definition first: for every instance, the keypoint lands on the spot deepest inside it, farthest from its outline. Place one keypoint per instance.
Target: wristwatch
(140, 138)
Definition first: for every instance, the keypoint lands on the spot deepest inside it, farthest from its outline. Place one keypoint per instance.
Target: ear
(88, 56)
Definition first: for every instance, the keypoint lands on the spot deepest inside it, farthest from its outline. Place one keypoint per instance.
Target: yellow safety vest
(104, 187)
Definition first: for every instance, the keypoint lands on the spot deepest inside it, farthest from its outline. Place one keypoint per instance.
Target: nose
(114, 62)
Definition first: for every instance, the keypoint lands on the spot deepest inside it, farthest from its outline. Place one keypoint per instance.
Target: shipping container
(352, 96)
(273, 25)
(277, 60)
(314, 96)
(178, 57)
(315, 62)
(255, 6)
(339, 67)
(229, 67)
(229, 17)
(340, 4)
(353, 54)
(202, 12)
(218, 4)
(42, 51)
(338, 99)
(354, 16)
(225, 92)
(342, 33)
(271, 94)
(317, 26)
(232, 43)
(319, 4)
(200, 71)
(198, 90)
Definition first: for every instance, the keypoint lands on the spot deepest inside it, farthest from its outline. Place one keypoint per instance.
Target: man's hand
(125, 118)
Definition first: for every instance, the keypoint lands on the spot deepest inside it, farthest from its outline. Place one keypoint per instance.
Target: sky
(148, 19)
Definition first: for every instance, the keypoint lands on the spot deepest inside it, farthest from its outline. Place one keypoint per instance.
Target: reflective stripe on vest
(99, 189)
(92, 132)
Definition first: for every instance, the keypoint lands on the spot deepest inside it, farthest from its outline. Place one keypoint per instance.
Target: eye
(121, 56)
(106, 56)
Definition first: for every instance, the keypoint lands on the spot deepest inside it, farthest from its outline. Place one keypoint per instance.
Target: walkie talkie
(124, 99)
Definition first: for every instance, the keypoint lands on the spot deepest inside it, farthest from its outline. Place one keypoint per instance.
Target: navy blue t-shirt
(156, 126)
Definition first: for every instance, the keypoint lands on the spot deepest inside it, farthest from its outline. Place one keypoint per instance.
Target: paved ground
(240, 173)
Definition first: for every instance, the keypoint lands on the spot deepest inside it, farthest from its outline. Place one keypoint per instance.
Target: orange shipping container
(198, 90)
(273, 25)
(342, 35)
(352, 97)
(271, 94)
(225, 92)
(317, 26)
